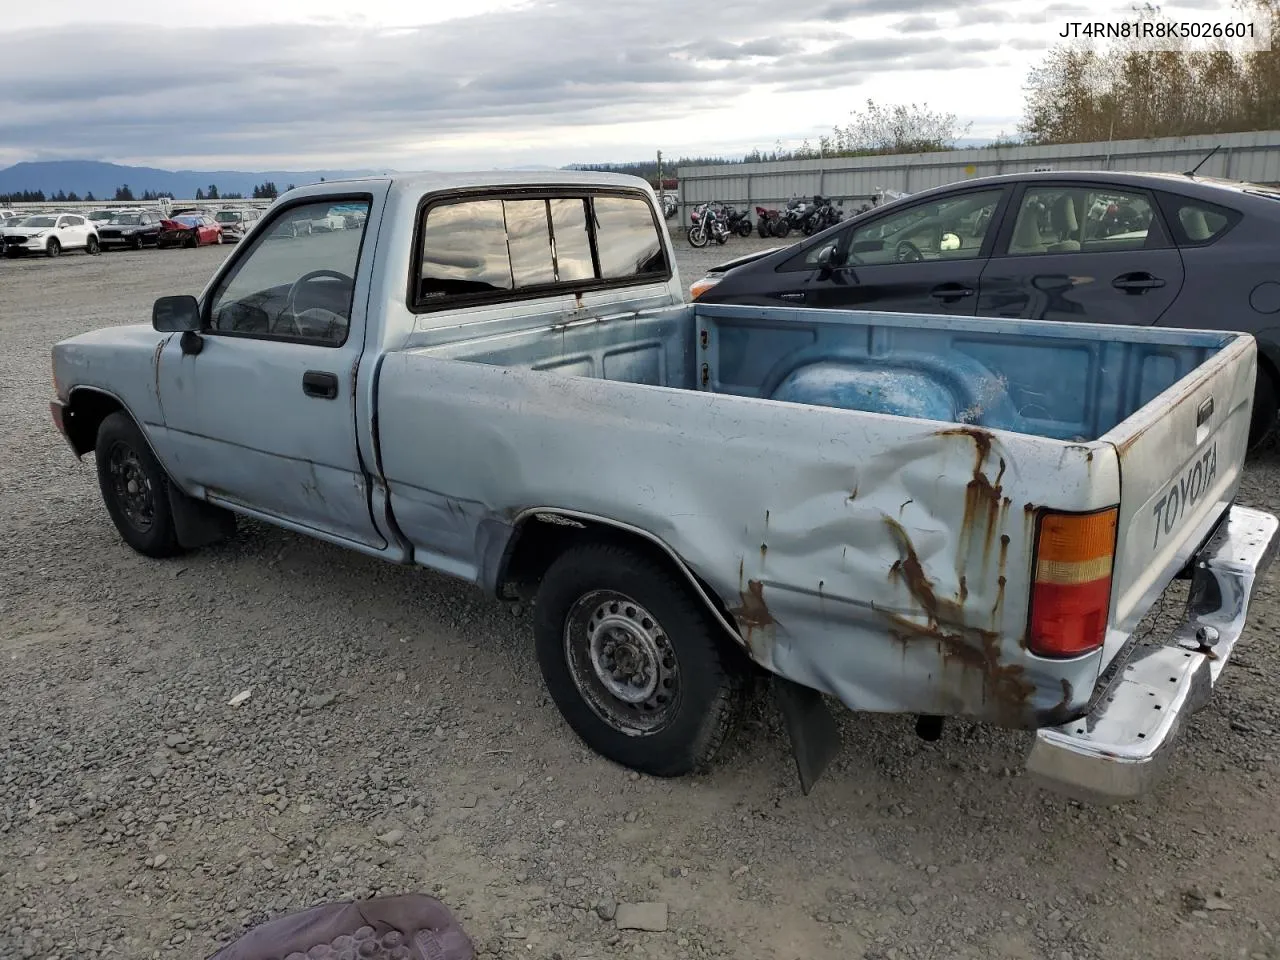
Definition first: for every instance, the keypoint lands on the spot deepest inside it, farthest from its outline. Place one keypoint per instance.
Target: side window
(293, 283)
(1056, 219)
(627, 238)
(1197, 222)
(75, 221)
(493, 246)
(950, 228)
(63, 222)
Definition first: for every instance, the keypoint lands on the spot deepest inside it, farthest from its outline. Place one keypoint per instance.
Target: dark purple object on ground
(406, 927)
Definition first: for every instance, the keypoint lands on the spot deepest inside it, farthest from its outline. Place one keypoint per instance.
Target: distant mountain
(102, 179)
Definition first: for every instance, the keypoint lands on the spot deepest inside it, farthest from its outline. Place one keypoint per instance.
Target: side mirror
(827, 260)
(176, 314)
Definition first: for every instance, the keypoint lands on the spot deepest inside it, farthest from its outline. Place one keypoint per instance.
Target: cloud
(918, 25)
(315, 91)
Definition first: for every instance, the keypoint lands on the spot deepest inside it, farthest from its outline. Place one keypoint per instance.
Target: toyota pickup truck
(497, 376)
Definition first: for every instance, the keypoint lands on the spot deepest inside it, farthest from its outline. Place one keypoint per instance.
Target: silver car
(236, 223)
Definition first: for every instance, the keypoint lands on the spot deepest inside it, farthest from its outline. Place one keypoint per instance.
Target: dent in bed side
(815, 580)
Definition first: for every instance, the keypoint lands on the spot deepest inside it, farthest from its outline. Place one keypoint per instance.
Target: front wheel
(53, 248)
(135, 488)
(697, 236)
(633, 661)
(744, 228)
(762, 228)
(92, 248)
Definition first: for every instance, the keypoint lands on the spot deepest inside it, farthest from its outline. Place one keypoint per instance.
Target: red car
(189, 230)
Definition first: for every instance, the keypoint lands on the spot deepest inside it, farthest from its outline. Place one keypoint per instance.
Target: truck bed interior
(1024, 376)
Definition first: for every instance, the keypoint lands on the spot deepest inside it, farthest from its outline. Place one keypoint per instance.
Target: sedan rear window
(1197, 222)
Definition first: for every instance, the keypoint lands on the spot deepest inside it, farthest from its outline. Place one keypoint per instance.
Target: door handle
(950, 291)
(317, 383)
(1136, 282)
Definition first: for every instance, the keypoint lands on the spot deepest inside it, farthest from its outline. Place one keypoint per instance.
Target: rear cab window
(510, 245)
(1197, 223)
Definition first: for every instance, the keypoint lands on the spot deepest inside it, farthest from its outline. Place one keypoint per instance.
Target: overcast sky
(304, 84)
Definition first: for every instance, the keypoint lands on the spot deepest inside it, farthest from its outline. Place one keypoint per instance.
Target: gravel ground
(396, 737)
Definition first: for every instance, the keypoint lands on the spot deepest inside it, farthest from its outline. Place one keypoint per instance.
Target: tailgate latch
(1205, 412)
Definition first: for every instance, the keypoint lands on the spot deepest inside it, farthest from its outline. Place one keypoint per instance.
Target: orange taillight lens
(1071, 588)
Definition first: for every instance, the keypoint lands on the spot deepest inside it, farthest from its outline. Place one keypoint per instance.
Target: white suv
(50, 234)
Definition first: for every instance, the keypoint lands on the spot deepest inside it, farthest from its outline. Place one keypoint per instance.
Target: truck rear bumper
(1123, 747)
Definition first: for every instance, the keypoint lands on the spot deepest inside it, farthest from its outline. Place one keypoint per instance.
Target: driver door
(923, 258)
(263, 416)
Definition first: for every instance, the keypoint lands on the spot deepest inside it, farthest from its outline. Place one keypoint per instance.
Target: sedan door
(1082, 252)
(927, 257)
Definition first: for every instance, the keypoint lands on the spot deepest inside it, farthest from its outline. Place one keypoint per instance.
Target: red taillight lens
(1071, 589)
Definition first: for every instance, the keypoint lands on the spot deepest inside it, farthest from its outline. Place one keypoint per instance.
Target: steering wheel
(907, 252)
(290, 312)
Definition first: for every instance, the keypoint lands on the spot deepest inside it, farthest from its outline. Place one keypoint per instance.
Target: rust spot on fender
(1005, 686)
(853, 494)
(754, 613)
(982, 497)
(964, 591)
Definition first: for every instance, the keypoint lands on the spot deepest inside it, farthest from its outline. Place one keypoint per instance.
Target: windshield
(125, 218)
(100, 215)
(229, 216)
(38, 222)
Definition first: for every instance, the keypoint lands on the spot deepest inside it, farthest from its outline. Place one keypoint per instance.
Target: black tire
(781, 228)
(192, 242)
(697, 236)
(762, 228)
(142, 516)
(744, 228)
(53, 248)
(92, 247)
(656, 613)
(135, 243)
(1266, 406)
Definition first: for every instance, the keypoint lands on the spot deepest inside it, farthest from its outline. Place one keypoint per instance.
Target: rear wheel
(92, 248)
(1266, 406)
(634, 661)
(135, 488)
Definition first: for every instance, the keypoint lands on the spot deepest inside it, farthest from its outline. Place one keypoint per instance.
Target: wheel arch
(541, 534)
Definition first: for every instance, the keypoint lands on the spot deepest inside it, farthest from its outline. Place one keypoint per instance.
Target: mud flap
(197, 523)
(814, 733)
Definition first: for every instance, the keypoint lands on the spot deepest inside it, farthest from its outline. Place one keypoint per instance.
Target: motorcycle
(767, 222)
(797, 213)
(827, 212)
(670, 206)
(707, 224)
(738, 221)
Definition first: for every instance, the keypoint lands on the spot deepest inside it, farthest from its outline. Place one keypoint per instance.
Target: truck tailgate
(1181, 456)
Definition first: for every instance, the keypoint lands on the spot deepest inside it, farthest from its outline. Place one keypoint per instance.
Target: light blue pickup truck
(497, 376)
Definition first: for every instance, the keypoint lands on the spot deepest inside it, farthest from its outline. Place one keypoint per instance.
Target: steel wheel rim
(622, 662)
(131, 487)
